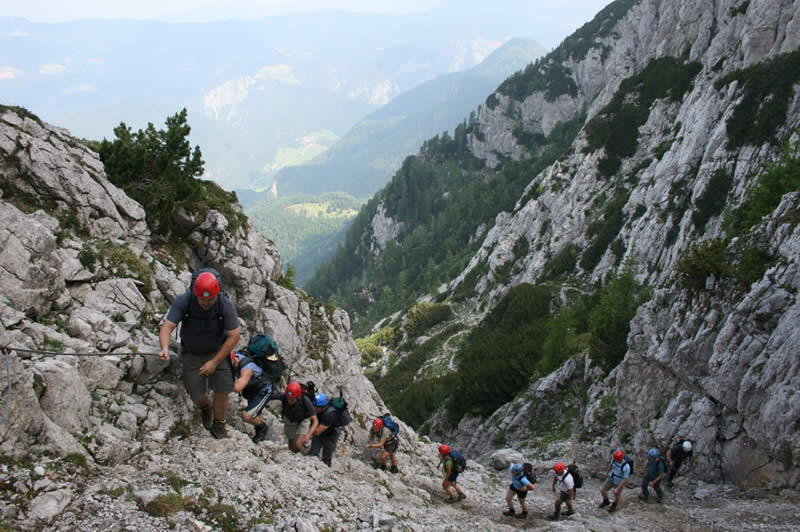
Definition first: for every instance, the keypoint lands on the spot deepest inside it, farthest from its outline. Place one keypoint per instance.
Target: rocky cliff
(716, 365)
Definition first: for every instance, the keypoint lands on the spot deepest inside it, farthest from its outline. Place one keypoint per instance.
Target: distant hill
(261, 94)
(306, 229)
(367, 156)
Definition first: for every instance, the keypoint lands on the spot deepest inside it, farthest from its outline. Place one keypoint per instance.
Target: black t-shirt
(201, 334)
(678, 453)
(330, 419)
(302, 409)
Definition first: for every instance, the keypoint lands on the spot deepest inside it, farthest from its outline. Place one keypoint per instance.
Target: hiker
(451, 471)
(298, 413)
(652, 474)
(386, 439)
(520, 485)
(209, 332)
(256, 387)
(680, 451)
(326, 435)
(566, 490)
(618, 472)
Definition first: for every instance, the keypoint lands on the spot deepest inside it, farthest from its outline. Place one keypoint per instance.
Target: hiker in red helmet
(385, 438)
(451, 471)
(566, 490)
(209, 332)
(618, 472)
(299, 415)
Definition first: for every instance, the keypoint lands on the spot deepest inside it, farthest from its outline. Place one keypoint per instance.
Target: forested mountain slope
(606, 204)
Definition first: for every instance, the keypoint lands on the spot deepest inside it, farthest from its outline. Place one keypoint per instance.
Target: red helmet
(293, 389)
(444, 449)
(206, 285)
(619, 456)
(377, 424)
(559, 468)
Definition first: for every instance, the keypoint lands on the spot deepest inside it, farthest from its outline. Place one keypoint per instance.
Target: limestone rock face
(716, 367)
(82, 276)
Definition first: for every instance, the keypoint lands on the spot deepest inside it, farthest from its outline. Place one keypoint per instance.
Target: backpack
(309, 389)
(340, 405)
(218, 305)
(261, 346)
(573, 470)
(528, 472)
(629, 461)
(258, 349)
(458, 458)
(390, 424)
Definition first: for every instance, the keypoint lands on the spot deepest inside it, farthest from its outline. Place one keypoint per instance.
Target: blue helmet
(321, 399)
(515, 468)
(653, 453)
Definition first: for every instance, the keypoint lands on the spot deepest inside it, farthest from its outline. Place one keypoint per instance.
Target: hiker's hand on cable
(208, 368)
(163, 355)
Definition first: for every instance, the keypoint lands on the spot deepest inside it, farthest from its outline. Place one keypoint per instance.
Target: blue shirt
(257, 371)
(655, 466)
(619, 471)
(519, 482)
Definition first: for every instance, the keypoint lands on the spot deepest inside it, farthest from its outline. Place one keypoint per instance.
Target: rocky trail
(198, 484)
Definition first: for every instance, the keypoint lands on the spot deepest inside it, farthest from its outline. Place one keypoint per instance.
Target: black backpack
(340, 405)
(629, 461)
(573, 470)
(310, 389)
(220, 318)
(529, 473)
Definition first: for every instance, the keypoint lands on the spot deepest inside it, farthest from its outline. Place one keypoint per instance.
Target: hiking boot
(521, 515)
(642, 498)
(207, 414)
(383, 467)
(510, 513)
(605, 503)
(261, 432)
(394, 469)
(613, 508)
(569, 513)
(450, 500)
(553, 517)
(218, 430)
(462, 496)
(659, 500)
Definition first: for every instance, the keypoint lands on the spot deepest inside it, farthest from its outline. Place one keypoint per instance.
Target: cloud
(9, 72)
(95, 61)
(51, 69)
(80, 88)
(18, 33)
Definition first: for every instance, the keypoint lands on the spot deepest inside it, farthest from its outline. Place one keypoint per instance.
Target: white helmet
(687, 446)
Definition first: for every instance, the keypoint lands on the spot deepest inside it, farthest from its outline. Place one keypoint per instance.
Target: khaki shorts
(609, 484)
(293, 430)
(221, 381)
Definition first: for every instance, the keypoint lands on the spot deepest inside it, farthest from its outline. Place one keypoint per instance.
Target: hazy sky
(569, 14)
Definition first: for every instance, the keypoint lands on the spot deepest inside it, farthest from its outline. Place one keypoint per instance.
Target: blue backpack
(458, 458)
(390, 424)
